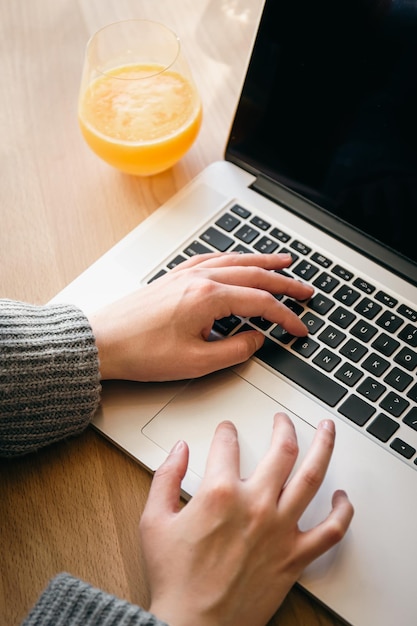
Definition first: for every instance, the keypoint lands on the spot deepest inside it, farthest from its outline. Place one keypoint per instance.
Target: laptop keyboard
(360, 355)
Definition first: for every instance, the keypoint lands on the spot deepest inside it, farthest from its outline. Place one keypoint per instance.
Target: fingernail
(178, 447)
(327, 425)
(259, 341)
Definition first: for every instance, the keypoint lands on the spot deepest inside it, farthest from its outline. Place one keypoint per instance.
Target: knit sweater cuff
(49, 375)
(69, 601)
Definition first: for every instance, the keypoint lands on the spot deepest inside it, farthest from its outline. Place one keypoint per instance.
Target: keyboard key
(305, 270)
(340, 271)
(363, 285)
(280, 235)
(385, 344)
(176, 261)
(353, 350)
(383, 427)
(408, 312)
(296, 307)
(327, 360)
(218, 240)
(320, 304)
(411, 418)
(389, 321)
(261, 323)
(409, 335)
(375, 364)
(305, 346)
(281, 334)
(402, 448)
(321, 259)
(346, 294)
(225, 325)
(301, 373)
(371, 389)
(348, 374)
(342, 317)
(312, 322)
(227, 222)
(326, 283)
(265, 245)
(260, 223)
(413, 393)
(332, 337)
(240, 210)
(357, 410)
(398, 379)
(407, 358)
(368, 308)
(246, 233)
(363, 330)
(386, 299)
(300, 247)
(157, 275)
(394, 404)
(242, 249)
(196, 248)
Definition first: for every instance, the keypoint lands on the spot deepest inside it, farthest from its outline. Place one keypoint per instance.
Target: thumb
(165, 491)
(232, 350)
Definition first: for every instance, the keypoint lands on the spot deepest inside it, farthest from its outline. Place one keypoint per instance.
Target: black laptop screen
(329, 110)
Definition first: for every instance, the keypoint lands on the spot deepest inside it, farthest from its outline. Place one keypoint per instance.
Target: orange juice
(140, 118)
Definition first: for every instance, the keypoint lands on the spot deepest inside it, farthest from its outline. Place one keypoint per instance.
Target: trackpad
(194, 413)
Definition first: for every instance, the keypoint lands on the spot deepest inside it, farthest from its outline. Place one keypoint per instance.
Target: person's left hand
(230, 556)
(160, 332)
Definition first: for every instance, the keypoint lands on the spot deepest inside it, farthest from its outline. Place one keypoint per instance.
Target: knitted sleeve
(49, 375)
(68, 601)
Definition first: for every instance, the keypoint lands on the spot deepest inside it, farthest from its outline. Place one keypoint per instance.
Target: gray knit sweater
(50, 389)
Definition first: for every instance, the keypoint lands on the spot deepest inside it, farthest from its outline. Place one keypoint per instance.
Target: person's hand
(232, 553)
(160, 332)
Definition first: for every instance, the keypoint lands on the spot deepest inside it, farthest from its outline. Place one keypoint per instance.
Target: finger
(223, 461)
(315, 542)
(199, 259)
(258, 277)
(305, 483)
(164, 494)
(248, 302)
(275, 467)
(230, 259)
(216, 355)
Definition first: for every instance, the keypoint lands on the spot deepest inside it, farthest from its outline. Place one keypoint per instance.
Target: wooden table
(75, 507)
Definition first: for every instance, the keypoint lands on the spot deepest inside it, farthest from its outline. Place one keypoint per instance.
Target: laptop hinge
(322, 219)
(289, 198)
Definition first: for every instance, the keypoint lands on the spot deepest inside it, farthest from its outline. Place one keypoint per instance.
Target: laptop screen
(329, 110)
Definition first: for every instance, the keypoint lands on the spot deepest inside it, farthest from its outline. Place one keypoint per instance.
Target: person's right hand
(230, 556)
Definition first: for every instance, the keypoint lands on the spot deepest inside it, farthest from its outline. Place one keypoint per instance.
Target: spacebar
(300, 372)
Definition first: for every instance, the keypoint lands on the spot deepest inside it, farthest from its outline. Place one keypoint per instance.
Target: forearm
(68, 601)
(49, 375)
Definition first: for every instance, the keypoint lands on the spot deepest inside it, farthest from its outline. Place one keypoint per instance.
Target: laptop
(321, 161)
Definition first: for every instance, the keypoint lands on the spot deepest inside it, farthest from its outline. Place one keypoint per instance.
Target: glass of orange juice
(139, 109)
